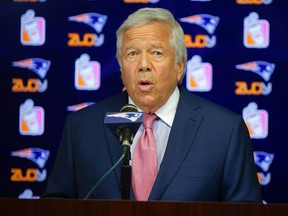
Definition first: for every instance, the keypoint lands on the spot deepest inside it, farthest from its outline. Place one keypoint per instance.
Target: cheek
(169, 76)
(124, 78)
(127, 67)
(124, 71)
(127, 77)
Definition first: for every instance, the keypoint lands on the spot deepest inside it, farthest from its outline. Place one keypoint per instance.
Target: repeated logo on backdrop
(256, 2)
(38, 66)
(263, 160)
(97, 22)
(31, 119)
(39, 157)
(198, 75)
(207, 22)
(27, 194)
(262, 69)
(256, 121)
(256, 32)
(28, 175)
(87, 73)
(32, 29)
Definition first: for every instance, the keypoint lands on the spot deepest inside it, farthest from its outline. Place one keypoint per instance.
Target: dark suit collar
(186, 123)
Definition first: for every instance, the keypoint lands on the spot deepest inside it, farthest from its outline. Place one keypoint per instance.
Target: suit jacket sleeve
(209, 156)
(61, 181)
(239, 178)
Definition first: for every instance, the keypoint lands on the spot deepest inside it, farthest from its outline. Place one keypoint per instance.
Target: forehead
(152, 32)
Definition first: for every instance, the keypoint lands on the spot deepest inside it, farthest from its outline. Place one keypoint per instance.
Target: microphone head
(128, 117)
(129, 108)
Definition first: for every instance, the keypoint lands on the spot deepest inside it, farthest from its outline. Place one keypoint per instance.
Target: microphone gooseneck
(124, 132)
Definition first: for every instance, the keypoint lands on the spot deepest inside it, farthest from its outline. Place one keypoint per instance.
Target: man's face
(148, 66)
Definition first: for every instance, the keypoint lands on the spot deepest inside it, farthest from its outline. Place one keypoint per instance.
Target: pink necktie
(144, 162)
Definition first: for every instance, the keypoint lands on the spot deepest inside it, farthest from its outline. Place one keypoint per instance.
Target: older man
(201, 152)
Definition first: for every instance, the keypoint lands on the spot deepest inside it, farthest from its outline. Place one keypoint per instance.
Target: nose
(144, 63)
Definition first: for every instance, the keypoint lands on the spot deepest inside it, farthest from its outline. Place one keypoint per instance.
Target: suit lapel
(183, 131)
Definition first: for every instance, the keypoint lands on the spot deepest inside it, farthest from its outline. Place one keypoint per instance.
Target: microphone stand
(126, 174)
(126, 168)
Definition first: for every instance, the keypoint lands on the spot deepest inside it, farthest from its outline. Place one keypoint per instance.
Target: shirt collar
(167, 112)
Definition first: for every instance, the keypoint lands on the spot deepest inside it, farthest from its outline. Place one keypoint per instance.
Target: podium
(55, 207)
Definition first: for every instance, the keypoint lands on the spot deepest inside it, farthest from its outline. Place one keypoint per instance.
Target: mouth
(145, 85)
(145, 82)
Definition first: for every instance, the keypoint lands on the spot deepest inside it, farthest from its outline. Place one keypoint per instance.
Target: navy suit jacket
(209, 155)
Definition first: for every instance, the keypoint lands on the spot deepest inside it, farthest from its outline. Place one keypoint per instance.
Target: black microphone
(124, 132)
(124, 124)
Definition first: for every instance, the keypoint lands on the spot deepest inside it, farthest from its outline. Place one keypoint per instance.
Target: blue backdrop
(59, 56)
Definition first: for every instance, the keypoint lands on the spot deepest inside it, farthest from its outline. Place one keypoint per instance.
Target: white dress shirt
(161, 127)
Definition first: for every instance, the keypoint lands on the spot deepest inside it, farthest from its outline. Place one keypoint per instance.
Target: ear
(180, 69)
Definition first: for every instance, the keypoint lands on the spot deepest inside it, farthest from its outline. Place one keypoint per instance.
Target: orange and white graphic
(142, 1)
(256, 32)
(87, 73)
(255, 2)
(28, 175)
(256, 121)
(199, 75)
(32, 30)
(31, 119)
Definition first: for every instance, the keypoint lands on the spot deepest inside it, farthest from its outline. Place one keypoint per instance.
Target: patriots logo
(37, 155)
(263, 160)
(132, 116)
(37, 65)
(206, 21)
(262, 68)
(94, 20)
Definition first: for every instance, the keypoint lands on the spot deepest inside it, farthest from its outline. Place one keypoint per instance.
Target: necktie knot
(149, 120)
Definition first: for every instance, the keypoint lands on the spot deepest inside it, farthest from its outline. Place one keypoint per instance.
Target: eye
(157, 53)
(132, 53)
